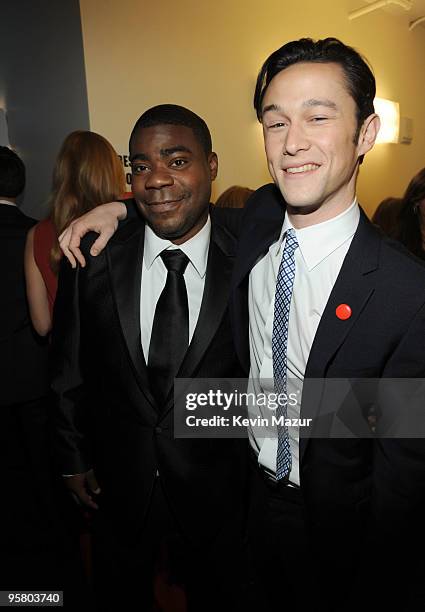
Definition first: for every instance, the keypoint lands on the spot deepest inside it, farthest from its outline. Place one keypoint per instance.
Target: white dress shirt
(318, 260)
(8, 203)
(154, 276)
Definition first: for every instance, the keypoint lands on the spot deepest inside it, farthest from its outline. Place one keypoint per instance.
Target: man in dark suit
(153, 307)
(23, 356)
(325, 296)
(23, 391)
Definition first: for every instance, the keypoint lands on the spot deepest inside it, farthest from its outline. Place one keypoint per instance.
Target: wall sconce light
(389, 113)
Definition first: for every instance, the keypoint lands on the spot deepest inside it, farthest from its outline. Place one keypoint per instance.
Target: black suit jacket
(23, 356)
(351, 483)
(107, 416)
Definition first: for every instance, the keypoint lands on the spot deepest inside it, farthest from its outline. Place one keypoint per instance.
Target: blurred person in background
(23, 376)
(36, 551)
(234, 197)
(410, 226)
(87, 172)
(22, 355)
(386, 215)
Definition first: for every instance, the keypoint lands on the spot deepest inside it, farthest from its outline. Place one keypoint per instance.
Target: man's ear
(368, 134)
(213, 164)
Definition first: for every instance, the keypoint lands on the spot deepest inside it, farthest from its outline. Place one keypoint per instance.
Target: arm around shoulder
(103, 220)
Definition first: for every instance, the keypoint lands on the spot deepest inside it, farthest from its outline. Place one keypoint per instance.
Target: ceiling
(417, 10)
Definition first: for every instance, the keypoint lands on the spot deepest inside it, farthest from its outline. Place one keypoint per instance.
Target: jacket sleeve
(400, 456)
(398, 498)
(229, 218)
(69, 414)
(132, 210)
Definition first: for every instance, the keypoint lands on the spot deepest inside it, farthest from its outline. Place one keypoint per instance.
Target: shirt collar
(8, 203)
(196, 248)
(316, 242)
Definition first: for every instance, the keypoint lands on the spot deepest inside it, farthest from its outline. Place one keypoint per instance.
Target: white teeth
(305, 168)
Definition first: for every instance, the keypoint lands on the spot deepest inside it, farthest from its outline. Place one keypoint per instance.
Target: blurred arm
(36, 290)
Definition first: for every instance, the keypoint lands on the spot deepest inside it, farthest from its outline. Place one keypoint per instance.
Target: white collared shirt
(8, 203)
(318, 260)
(154, 276)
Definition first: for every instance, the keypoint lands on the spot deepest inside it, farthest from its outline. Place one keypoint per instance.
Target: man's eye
(138, 168)
(178, 163)
(278, 124)
(318, 119)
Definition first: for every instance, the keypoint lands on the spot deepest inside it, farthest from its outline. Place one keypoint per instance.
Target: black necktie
(170, 329)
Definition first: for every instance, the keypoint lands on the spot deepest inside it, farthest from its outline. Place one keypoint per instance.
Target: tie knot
(175, 260)
(291, 242)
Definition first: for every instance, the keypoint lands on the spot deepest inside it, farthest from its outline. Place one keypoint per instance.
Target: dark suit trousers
(280, 546)
(200, 579)
(39, 549)
(297, 569)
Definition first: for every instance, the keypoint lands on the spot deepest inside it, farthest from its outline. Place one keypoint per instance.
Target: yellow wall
(205, 54)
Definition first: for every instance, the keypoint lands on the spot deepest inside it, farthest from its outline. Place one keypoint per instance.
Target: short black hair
(359, 77)
(172, 114)
(12, 173)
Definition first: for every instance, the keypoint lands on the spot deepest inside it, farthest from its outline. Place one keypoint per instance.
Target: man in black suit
(23, 391)
(326, 296)
(23, 357)
(124, 326)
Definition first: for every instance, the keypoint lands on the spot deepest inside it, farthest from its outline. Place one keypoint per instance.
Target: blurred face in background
(421, 210)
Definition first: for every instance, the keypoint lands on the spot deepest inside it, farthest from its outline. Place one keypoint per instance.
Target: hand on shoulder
(103, 220)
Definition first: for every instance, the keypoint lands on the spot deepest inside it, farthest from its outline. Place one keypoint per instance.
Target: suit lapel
(125, 260)
(354, 286)
(214, 302)
(261, 228)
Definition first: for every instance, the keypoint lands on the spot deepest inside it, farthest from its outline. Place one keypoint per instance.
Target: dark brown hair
(234, 197)
(358, 75)
(409, 218)
(386, 215)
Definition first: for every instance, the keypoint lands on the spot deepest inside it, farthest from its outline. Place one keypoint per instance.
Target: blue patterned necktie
(282, 304)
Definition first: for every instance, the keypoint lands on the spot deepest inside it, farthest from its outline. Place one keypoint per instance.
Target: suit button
(158, 430)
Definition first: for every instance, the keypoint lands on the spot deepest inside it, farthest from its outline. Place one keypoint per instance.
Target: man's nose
(159, 177)
(295, 140)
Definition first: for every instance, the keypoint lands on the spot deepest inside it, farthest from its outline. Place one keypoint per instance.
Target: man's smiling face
(309, 124)
(171, 180)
